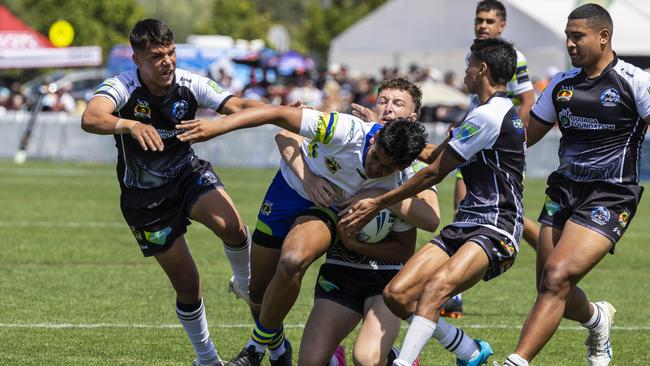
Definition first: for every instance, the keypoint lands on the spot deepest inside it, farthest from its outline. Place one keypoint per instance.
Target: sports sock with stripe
(455, 340)
(261, 337)
(194, 321)
(276, 346)
(515, 360)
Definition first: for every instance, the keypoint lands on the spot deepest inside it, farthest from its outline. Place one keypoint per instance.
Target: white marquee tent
(438, 33)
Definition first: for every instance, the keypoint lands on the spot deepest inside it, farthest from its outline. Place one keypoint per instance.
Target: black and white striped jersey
(141, 169)
(492, 143)
(601, 121)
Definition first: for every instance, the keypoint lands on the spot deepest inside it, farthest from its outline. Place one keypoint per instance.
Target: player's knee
(396, 298)
(555, 279)
(292, 266)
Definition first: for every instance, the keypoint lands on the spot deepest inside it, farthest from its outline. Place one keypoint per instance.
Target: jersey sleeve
(113, 89)
(409, 172)
(642, 93)
(209, 94)
(544, 109)
(326, 128)
(477, 132)
(520, 82)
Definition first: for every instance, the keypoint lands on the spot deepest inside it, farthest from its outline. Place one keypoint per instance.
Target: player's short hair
(400, 83)
(403, 139)
(596, 16)
(500, 57)
(150, 32)
(487, 5)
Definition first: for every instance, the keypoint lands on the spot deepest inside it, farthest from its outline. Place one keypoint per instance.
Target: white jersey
(519, 84)
(335, 149)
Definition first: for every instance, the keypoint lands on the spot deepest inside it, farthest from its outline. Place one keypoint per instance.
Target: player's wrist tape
(124, 126)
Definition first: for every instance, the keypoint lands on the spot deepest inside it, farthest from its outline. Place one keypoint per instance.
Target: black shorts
(501, 251)
(604, 207)
(158, 216)
(350, 286)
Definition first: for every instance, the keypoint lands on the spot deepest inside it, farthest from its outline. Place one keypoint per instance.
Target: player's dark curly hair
(596, 16)
(403, 139)
(487, 5)
(500, 57)
(400, 83)
(150, 32)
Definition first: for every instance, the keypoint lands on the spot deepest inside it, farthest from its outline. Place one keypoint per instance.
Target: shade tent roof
(631, 21)
(22, 47)
(438, 33)
(16, 34)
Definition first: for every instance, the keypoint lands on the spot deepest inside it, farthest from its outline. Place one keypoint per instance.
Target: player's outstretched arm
(396, 247)
(236, 104)
(536, 130)
(363, 211)
(201, 130)
(97, 118)
(319, 190)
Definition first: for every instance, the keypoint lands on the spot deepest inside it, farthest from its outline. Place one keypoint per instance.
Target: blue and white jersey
(141, 169)
(601, 120)
(492, 144)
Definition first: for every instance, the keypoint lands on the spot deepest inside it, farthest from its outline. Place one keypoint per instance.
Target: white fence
(57, 136)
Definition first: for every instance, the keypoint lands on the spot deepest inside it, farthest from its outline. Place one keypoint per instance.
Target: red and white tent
(22, 47)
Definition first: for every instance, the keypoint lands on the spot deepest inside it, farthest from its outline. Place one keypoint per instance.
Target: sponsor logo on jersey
(551, 206)
(623, 219)
(610, 97)
(351, 132)
(568, 120)
(466, 131)
(332, 165)
(508, 246)
(158, 237)
(600, 215)
(179, 109)
(266, 208)
(142, 109)
(517, 123)
(216, 87)
(564, 95)
(167, 134)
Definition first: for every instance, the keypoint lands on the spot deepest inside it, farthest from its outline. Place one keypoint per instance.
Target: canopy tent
(22, 47)
(439, 33)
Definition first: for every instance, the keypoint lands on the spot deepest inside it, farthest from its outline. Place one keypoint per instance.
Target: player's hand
(319, 190)
(364, 113)
(198, 130)
(147, 136)
(358, 215)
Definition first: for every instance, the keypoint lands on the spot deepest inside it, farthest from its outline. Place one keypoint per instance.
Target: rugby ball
(377, 228)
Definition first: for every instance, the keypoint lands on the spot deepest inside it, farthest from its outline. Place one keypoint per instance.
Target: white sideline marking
(233, 326)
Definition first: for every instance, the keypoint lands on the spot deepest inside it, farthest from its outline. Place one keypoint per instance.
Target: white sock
(515, 360)
(455, 340)
(419, 332)
(596, 320)
(239, 258)
(458, 297)
(196, 327)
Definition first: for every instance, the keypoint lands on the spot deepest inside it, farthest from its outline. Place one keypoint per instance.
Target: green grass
(66, 257)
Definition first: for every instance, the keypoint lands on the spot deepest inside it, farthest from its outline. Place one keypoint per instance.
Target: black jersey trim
(542, 120)
(455, 152)
(223, 103)
(105, 94)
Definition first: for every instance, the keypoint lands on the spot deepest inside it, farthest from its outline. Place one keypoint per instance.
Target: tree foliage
(238, 19)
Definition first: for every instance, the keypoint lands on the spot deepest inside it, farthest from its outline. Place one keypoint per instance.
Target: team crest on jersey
(207, 178)
(517, 123)
(564, 95)
(623, 219)
(266, 208)
(332, 165)
(142, 109)
(600, 215)
(136, 233)
(507, 245)
(610, 97)
(179, 109)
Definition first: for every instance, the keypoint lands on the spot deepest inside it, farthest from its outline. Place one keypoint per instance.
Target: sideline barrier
(58, 136)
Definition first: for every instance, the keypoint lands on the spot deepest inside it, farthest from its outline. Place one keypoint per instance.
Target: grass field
(75, 289)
